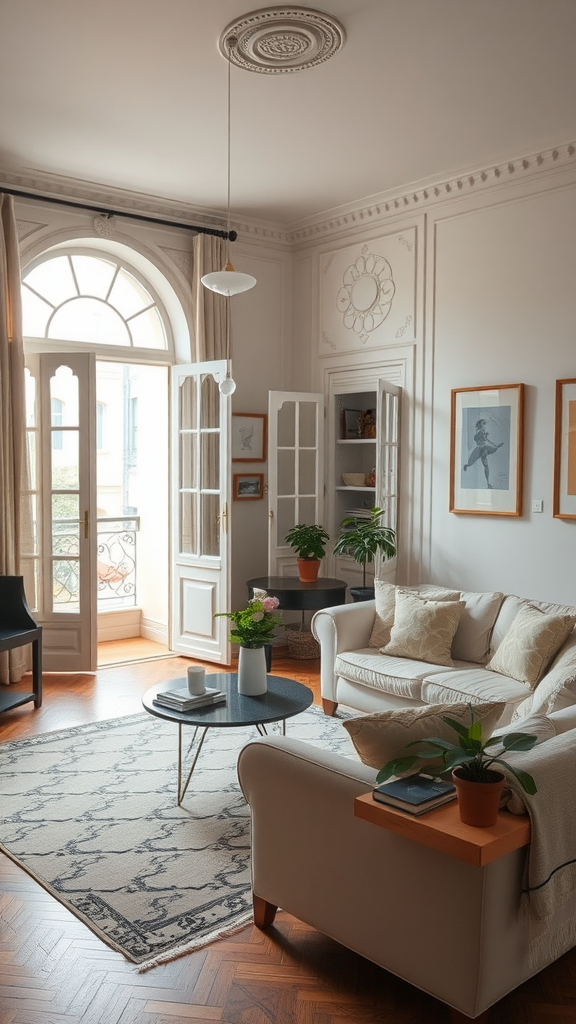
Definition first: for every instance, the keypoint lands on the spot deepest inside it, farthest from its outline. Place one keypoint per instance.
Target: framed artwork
(486, 445)
(350, 419)
(248, 437)
(564, 498)
(248, 486)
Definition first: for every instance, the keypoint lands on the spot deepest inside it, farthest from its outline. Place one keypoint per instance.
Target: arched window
(81, 296)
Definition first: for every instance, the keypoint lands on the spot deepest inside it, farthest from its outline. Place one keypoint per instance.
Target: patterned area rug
(91, 813)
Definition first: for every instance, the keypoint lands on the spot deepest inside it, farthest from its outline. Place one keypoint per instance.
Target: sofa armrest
(346, 627)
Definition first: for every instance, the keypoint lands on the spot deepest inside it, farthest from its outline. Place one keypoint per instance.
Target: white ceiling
(132, 94)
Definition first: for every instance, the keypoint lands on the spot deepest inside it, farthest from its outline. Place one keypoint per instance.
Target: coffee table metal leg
(182, 789)
(264, 732)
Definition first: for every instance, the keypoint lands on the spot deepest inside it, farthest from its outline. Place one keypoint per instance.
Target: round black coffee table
(283, 699)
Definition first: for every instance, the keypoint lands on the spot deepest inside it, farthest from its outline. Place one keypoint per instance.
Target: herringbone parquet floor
(53, 970)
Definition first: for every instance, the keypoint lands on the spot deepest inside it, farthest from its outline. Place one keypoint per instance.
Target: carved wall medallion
(366, 294)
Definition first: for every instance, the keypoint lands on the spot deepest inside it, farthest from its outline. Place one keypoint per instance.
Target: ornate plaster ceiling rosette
(276, 40)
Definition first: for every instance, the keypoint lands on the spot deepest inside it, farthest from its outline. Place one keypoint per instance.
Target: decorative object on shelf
(353, 479)
(564, 501)
(309, 543)
(249, 436)
(350, 431)
(367, 423)
(252, 630)
(370, 478)
(248, 486)
(228, 281)
(486, 444)
(363, 538)
(478, 784)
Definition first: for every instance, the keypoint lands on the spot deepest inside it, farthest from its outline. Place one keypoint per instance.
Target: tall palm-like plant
(364, 538)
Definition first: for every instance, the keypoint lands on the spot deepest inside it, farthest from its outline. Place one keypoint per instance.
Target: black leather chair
(17, 627)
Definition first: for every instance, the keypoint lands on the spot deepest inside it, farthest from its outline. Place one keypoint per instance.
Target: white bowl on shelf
(354, 479)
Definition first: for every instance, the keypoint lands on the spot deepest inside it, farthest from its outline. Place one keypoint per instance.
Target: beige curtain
(210, 309)
(13, 473)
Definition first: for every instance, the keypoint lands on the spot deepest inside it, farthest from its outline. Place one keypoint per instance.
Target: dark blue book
(415, 793)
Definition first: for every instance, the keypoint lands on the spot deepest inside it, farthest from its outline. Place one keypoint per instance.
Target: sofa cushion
(557, 689)
(385, 598)
(400, 676)
(423, 629)
(385, 735)
(472, 639)
(538, 725)
(530, 644)
(477, 685)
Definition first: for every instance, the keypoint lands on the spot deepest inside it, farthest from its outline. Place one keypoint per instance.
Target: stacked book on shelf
(181, 700)
(415, 794)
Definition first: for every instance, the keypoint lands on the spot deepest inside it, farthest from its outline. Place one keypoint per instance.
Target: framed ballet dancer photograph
(564, 498)
(249, 436)
(486, 450)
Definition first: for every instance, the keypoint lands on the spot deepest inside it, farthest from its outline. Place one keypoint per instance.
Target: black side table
(294, 595)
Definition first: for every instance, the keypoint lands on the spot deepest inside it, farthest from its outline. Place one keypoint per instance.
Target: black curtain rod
(232, 235)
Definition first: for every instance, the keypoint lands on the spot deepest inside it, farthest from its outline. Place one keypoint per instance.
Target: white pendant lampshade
(228, 281)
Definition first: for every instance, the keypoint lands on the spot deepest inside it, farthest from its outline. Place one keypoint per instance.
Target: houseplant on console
(478, 785)
(309, 543)
(252, 630)
(363, 538)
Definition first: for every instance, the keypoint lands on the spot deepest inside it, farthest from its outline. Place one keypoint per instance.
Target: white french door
(200, 502)
(295, 471)
(61, 440)
(388, 466)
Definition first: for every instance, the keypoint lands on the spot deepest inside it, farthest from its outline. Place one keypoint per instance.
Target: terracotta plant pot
(308, 569)
(478, 802)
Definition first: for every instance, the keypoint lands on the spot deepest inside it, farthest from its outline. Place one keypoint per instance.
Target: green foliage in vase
(255, 624)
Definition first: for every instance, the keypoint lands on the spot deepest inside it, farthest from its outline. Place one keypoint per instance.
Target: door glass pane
(307, 472)
(30, 393)
(286, 472)
(210, 504)
(65, 524)
(64, 398)
(285, 519)
(65, 585)
(287, 425)
(211, 462)
(31, 442)
(188, 404)
(307, 424)
(187, 460)
(65, 461)
(210, 402)
(188, 531)
(30, 572)
(307, 510)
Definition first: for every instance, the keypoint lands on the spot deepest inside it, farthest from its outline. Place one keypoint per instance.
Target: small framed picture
(564, 498)
(350, 427)
(486, 445)
(248, 437)
(248, 486)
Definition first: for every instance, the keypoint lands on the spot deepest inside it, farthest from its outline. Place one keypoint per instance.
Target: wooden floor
(53, 970)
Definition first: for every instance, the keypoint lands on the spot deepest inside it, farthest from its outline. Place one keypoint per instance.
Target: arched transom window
(84, 297)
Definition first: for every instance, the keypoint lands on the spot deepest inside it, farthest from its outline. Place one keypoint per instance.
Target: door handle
(223, 517)
(86, 524)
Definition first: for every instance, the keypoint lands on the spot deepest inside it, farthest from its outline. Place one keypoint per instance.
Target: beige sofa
(447, 927)
(354, 672)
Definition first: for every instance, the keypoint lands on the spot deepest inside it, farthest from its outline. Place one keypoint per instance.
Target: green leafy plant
(255, 624)
(308, 541)
(364, 538)
(470, 755)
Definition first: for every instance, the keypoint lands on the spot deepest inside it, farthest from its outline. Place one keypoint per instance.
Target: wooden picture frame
(486, 450)
(350, 429)
(248, 486)
(249, 436)
(564, 495)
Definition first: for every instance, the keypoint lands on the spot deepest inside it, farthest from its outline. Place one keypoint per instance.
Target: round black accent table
(294, 595)
(283, 699)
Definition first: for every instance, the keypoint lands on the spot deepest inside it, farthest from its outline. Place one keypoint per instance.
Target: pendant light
(228, 281)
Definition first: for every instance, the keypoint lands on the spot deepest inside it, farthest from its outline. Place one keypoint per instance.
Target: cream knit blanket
(548, 902)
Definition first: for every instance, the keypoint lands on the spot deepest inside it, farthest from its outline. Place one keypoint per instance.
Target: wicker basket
(301, 644)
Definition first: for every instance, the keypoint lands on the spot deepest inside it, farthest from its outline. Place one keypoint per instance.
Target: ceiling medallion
(276, 40)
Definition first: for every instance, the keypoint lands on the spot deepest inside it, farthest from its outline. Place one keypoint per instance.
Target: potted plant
(252, 630)
(363, 537)
(309, 543)
(478, 784)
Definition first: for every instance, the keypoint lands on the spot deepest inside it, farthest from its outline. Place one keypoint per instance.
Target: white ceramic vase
(252, 677)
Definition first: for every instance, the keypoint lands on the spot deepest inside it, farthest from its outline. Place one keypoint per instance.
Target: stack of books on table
(181, 700)
(415, 794)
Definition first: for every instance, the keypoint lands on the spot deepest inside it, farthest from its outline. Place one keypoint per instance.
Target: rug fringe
(195, 944)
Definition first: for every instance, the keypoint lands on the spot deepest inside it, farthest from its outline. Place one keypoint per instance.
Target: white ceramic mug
(196, 680)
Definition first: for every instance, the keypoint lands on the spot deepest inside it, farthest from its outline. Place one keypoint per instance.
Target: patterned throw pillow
(423, 629)
(385, 594)
(382, 736)
(530, 644)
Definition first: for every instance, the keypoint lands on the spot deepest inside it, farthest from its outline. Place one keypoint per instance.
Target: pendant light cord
(231, 42)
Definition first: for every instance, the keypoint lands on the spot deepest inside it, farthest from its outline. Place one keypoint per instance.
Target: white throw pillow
(538, 725)
(423, 629)
(530, 644)
(385, 595)
(472, 640)
(385, 735)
